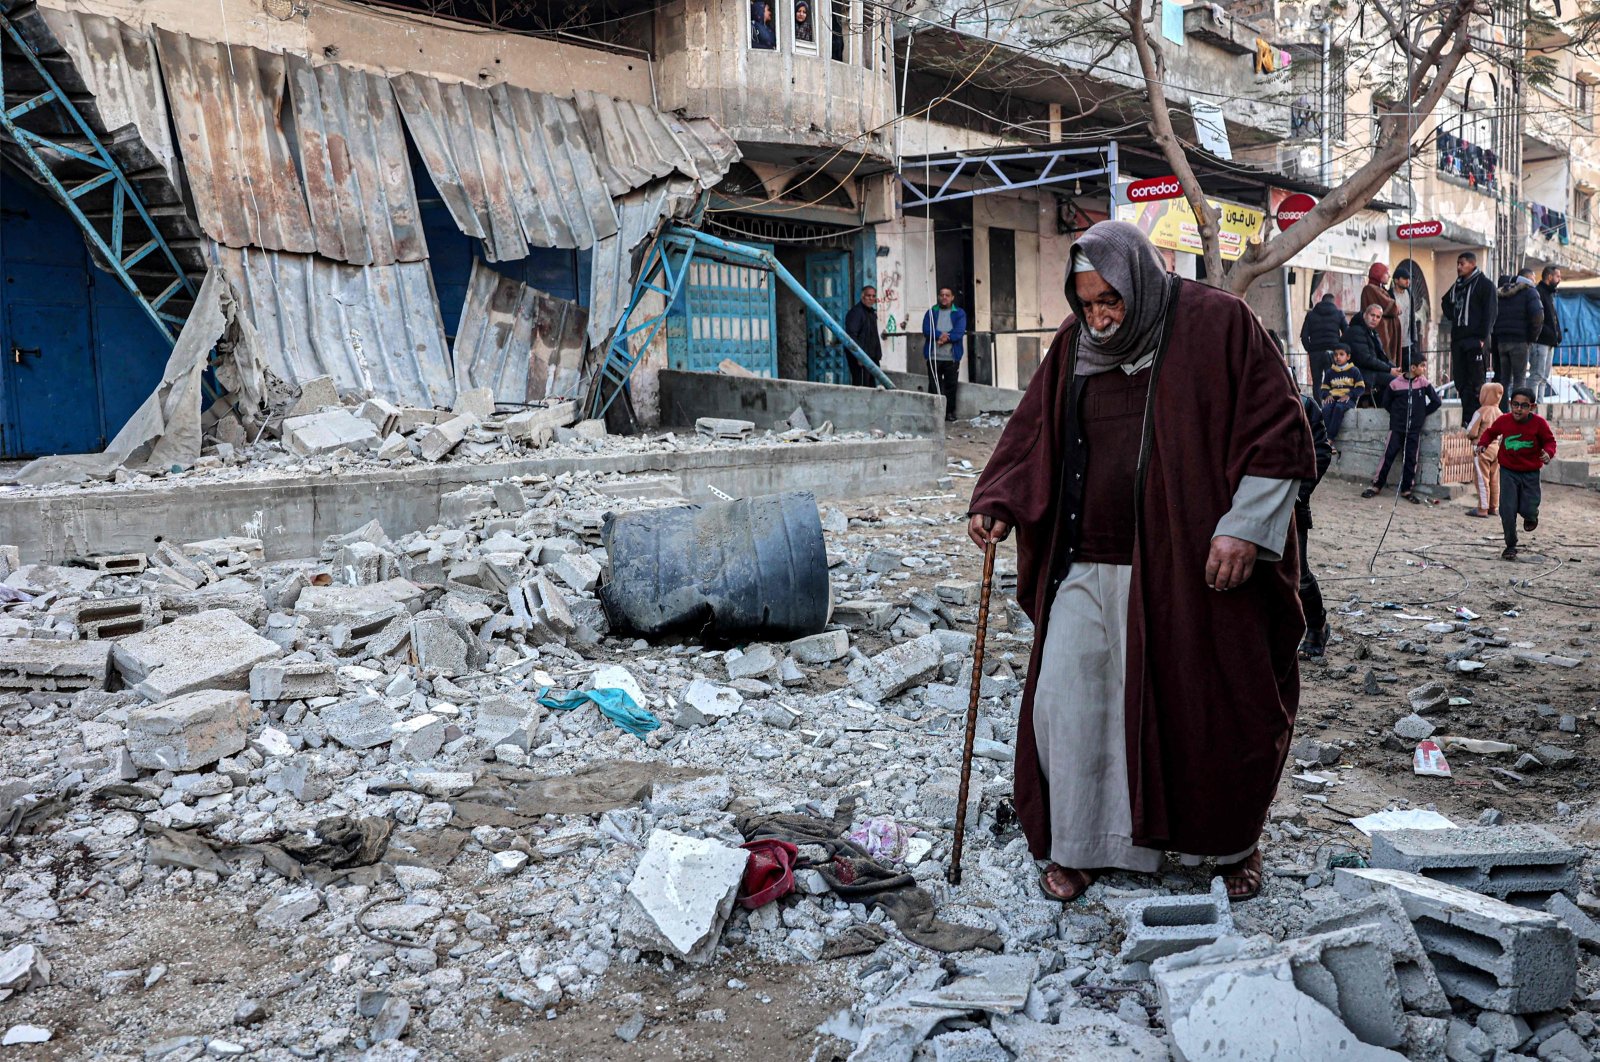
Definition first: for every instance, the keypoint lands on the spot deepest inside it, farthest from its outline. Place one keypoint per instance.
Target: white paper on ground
(1410, 819)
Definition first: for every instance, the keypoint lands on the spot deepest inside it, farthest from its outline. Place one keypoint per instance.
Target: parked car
(1557, 390)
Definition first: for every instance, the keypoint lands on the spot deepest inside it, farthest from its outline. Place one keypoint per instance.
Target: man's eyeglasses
(1522, 405)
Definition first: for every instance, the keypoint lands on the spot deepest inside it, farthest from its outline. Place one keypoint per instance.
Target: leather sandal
(1077, 881)
(1243, 878)
(1370, 492)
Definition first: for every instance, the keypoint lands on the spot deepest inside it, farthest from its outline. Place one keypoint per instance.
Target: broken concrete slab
(437, 441)
(214, 649)
(1419, 985)
(319, 392)
(541, 610)
(23, 967)
(822, 648)
(1486, 951)
(705, 703)
(300, 681)
(325, 606)
(534, 426)
(508, 719)
(1156, 926)
(29, 664)
(190, 731)
(580, 571)
(1512, 862)
(476, 401)
(1260, 1016)
(752, 662)
(896, 669)
(1080, 1035)
(362, 723)
(683, 892)
(328, 430)
(998, 984)
(43, 578)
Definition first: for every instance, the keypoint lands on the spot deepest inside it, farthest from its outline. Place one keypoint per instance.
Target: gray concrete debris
(437, 441)
(579, 571)
(968, 1045)
(1575, 918)
(721, 428)
(1486, 951)
(896, 669)
(288, 909)
(1165, 925)
(535, 426)
(508, 719)
(418, 739)
(117, 617)
(1429, 697)
(384, 416)
(315, 393)
(1419, 985)
(209, 650)
(443, 644)
(1080, 1035)
(42, 578)
(1516, 862)
(298, 681)
(478, 401)
(752, 662)
(23, 967)
(329, 430)
(190, 731)
(363, 723)
(706, 703)
(1413, 727)
(682, 893)
(864, 615)
(998, 984)
(325, 606)
(689, 796)
(53, 664)
(822, 648)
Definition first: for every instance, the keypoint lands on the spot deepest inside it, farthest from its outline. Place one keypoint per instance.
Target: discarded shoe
(769, 875)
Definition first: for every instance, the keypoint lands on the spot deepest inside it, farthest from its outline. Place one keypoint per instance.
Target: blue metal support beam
(670, 256)
(126, 203)
(1006, 171)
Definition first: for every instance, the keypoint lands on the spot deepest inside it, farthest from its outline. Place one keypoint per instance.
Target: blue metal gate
(724, 310)
(828, 280)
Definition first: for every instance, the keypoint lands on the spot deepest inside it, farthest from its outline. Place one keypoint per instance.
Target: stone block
(508, 719)
(418, 739)
(363, 564)
(44, 664)
(821, 648)
(864, 615)
(1486, 951)
(1514, 863)
(958, 591)
(705, 703)
(753, 662)
(896, 669)
(208, 650)
(508, 498)
(315, 393)
(724, 428)
(329, 430)
(1156, 926)
(1419, 985)
(325, 606)
(580, 571)
(534, 426)
(681, 894)
(441, 644)
(539, 608)
(438, 440)
(120, 563)
(117, 617)
(190, 731)
(476, 401)
(278, 681)
(362, 723)
(384, 416)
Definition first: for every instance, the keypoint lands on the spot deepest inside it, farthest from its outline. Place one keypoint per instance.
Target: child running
(1526, 445)
(1484, 466)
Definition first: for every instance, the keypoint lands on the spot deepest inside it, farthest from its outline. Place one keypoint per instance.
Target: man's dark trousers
(1466, 369)
(1310, 592)
(944, 377)
(1412, 441)
(859, 376)
(1519, 496)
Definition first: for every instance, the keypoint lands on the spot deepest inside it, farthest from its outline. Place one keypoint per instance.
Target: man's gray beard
(1100, 336)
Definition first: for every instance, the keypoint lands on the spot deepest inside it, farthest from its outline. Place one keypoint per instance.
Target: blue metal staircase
(46, 132)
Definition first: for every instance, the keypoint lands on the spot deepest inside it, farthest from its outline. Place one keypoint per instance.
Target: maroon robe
(1212, 679)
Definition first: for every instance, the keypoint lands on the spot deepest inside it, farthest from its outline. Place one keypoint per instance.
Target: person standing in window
(762, 34)
(805, 30)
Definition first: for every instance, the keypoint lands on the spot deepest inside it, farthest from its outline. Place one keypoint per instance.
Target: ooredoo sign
(1154, 188)
(1419, 230)
(1293, 208)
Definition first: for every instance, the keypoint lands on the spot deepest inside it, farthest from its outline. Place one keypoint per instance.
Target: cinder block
(1520, 864)
(120, 563)
(1165, 925)
(116, 617)
(1351, 972)
(293, 682)
(1419, 985)
(31, 664)
(1488, 952)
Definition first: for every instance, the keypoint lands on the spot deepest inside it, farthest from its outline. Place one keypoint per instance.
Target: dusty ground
(1429, 560)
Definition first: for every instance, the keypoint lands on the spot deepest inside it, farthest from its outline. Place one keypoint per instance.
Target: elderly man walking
(1151, 473)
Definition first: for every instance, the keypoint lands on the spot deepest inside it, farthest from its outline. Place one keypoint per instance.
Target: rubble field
(412, 799)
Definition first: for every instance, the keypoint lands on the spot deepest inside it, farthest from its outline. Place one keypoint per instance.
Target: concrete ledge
(688, 396)
(292, 515)
(971, 400)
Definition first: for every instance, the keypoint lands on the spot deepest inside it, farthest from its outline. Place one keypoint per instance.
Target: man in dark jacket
(1319, 332)
(1470, 306)
(1517, 323)
(861, 325)
(1541, 356)
(1366, 350)
(1317, 629)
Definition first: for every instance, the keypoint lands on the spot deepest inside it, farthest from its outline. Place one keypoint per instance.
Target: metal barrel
(737, 571)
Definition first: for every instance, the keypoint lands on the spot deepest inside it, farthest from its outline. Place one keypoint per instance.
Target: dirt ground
(1427, 562)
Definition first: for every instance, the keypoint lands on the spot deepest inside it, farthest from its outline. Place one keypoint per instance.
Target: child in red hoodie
(1526, 445)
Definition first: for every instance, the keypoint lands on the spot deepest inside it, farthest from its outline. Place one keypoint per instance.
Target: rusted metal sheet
(227, 103)
(523, 343)
(615, 259)
(374, 329)
(353, 157)
(519, 168)
(117, 65)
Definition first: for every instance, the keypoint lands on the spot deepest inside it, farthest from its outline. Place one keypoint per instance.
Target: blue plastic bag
(614, 704)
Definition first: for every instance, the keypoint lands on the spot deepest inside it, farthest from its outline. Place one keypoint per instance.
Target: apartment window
(1583, 207)
(1338, 98)
(805, 27)
(763, 26)
(839, 24)
(1583, 101)
(869, 34)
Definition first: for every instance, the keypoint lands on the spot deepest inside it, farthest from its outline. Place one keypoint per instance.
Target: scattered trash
(1428, 760)
(1408, 819)
(883, 839)
(614, 704)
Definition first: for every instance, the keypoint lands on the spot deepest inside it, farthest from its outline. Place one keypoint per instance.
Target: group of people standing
(944, 334)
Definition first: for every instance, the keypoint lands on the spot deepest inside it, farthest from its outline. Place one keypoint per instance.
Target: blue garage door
(724, 311)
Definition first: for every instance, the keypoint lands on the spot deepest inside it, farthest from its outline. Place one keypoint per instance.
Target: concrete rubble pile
(393, 763)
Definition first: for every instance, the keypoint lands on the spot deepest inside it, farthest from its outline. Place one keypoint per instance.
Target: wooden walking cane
(972, 711)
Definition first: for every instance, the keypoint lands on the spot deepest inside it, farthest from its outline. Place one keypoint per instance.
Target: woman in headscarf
(1151, 473)
(1376, 294)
